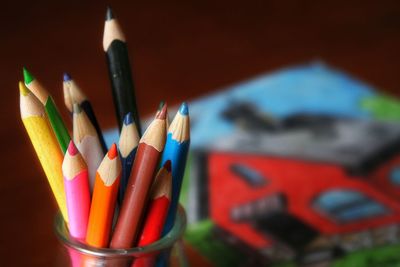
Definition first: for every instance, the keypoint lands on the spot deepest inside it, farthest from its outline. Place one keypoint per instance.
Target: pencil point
(128, 118)
(109, 14)
(72, 150)
(167, 166)
(184, 109)
(67, 77)
(22, 89)
(113, 152)
(163, 113)
(28, 77)
(160, 106)
(77, 109)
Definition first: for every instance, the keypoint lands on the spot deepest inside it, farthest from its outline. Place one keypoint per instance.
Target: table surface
(179, 52)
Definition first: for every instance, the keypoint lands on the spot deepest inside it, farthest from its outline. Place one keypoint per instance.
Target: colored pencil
(77, 96)
(128, 142)
(53, 115)
(176, 151)
(45, 144)
(77, 191)
(87, 142)
(156, 213)
(148, 154)
(160, 106)
(104, 199)
(119, 70)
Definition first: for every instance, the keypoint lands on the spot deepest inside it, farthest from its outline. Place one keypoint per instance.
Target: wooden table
(179, 52)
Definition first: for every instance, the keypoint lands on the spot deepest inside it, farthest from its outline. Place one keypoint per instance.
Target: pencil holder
(77, 254)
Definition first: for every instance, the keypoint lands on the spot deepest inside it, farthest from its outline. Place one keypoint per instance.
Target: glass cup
(82, 255)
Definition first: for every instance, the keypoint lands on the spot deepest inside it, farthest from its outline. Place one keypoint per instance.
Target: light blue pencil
(176, 150)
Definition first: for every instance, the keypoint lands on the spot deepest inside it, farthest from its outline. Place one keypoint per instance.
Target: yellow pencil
(45, 143)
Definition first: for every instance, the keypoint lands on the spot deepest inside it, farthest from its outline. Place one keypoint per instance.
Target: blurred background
(179, 50)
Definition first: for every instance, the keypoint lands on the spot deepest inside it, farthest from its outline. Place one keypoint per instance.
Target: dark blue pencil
(128, 143)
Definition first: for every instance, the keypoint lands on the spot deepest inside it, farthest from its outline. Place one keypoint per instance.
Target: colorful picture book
(299, 167)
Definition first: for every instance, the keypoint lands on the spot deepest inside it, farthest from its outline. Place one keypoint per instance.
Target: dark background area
(179, 50)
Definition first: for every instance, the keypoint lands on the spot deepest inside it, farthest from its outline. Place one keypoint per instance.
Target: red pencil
(148, 154)
(157, 212)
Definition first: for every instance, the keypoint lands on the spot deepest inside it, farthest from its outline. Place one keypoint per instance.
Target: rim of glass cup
(165, 242)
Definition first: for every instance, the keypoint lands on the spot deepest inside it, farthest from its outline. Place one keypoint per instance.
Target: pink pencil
(77, 192)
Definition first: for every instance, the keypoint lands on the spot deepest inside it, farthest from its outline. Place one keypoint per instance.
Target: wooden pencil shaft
(57, 124)
(121, 82)
(177, 154)
(87, 107)
(155, 219)
(153, 225)
(176, 151)
(50, 157)
(91, 151)
(87, 141)
(104, 199)
(78, 204)
(38, 90)
(102, 213)
(45, 144)
(127, 164)
(136, 196)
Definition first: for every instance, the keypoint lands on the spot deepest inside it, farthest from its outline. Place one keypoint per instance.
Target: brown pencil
(148, 154)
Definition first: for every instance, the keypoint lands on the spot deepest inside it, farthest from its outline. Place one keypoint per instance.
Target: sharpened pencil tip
(184, 109)
(113, 152)
(167, 166)
(67, 77)
(72, 150)
(23, 89)
(28, 77)
(162, 114)
(162, 103)
(77, 109)
(109, 13)
(128, 118)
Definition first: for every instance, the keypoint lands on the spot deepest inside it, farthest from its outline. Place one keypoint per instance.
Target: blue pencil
(176, 150)
(128, 143)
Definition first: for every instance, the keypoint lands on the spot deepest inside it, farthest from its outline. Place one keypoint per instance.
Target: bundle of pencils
(93, 185)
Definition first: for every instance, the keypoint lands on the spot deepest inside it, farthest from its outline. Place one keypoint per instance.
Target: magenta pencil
(77, 192)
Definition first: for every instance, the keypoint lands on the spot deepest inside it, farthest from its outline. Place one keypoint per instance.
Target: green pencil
(54, 116)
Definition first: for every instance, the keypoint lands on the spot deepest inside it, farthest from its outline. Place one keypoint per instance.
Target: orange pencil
(104, 199)
(157, 213)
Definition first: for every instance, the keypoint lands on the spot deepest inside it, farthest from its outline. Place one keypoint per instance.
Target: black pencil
(119, 70)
